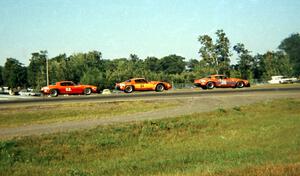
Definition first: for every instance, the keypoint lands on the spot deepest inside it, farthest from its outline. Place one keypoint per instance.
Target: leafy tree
(275, 63)
(215, 56)
(14, 73)
(192, 64)
(58, 68)
(1, 76)
(152, 64)
(136, 66)
(291, 46)
(81, 63)
(36, 70)
(172, 64)
(208, 54)
(93, 76)
(222, 51)
(245, 61)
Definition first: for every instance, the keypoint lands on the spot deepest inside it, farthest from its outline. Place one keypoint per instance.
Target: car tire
(210, 85)
(240, 84)
(87, 91)
(159, 88)
(53, 93)
(128, 89)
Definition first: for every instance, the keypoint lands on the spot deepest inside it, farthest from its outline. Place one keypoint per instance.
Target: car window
(140, 81)
(67, 84)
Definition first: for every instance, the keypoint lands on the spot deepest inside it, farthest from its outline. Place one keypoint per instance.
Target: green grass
(260, 139)
(60, 112)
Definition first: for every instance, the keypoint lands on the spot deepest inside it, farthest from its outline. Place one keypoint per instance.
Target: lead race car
(68, 87)
(218, 81)
(141, 84)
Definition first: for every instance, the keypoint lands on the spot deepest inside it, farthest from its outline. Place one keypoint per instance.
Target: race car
(141, 84)
(68, 87)
(223, 81)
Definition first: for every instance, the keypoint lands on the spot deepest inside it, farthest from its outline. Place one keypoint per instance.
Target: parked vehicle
(141, 84)
(281, 80)
(68, 87)
(4, 90)
(29, 92)
(220, 81)
(10, 91)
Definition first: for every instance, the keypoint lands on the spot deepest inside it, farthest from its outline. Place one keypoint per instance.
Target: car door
(69, 88)
(140, 84)
(222, 81)
(218, 81)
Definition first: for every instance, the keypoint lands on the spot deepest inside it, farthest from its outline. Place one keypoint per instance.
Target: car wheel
(204, 87)
(210, 85)
(128, 89)
(87, 91)
(240, 84)
(159, 88)
(53, 93)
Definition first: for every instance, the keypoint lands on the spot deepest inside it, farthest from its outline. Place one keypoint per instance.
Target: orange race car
(68, 87)
(142, 84)
(213, 81)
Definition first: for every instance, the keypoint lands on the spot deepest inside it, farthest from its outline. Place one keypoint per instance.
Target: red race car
(223, 81)
(68, 87)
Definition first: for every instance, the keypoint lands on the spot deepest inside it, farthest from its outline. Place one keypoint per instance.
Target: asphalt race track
(141, 95)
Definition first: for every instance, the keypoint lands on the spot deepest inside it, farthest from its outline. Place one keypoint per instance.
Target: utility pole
(47, 70)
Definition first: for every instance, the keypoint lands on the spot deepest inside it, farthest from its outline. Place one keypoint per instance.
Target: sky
(118, 28)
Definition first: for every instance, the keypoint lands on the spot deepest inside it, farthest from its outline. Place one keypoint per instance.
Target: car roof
(65, 81)
(137, 78)
(217, 75)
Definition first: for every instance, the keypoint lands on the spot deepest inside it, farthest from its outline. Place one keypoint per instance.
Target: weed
(237, 108)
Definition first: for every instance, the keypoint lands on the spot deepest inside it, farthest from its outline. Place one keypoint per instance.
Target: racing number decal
(223, 82)
(68, 89)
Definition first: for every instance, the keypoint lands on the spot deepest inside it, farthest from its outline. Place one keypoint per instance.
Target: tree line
(215, 58)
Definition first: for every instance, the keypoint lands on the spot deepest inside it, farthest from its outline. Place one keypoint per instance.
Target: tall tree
(208, 54)
(245, 61)
(291, 46)
(216, 56)
(222, 51)
(59, 69)
(14, 73)
(37, 69)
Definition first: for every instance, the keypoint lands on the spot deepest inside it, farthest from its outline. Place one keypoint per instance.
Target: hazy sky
(158, 28)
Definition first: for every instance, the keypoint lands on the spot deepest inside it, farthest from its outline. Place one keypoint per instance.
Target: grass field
(13, 116)
(259, 139)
